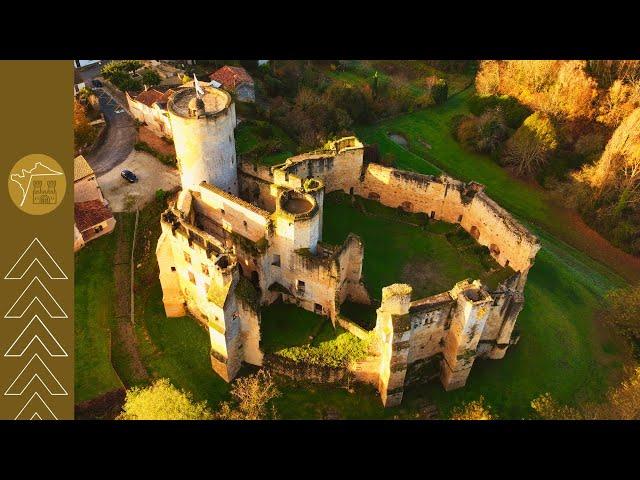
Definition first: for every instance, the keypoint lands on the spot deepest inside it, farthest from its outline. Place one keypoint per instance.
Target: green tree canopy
(150, 77)
(162, 401)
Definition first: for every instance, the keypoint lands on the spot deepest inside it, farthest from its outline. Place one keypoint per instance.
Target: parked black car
(96, 83)
(129, 176)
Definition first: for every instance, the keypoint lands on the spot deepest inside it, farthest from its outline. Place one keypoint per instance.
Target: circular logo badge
(37, 184)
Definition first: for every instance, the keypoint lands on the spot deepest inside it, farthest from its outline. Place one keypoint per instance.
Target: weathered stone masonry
(241, 236)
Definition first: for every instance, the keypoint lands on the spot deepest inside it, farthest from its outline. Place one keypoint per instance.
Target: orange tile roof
(91, 213)
(151, 96)
(231, 77)
(81, 168)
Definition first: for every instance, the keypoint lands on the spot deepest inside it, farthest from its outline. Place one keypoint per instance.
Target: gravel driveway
(152, 175)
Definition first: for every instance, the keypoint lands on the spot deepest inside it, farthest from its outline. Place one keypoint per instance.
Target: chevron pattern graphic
(36, 346)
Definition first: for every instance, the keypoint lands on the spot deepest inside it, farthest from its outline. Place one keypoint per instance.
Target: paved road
(89, 73)
(121, 135)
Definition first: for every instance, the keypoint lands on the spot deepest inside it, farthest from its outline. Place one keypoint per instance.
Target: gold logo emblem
(37, 184)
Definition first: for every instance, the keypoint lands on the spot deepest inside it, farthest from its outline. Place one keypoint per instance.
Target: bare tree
(251, 396)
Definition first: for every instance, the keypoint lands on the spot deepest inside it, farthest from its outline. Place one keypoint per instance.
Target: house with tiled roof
(92, 220)
(93, 216)
(150, 107)
(234, 80)
(85, 185)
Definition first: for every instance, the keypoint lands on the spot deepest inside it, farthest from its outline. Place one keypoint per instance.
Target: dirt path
(129, 365)
(585, 238)
(597, 247)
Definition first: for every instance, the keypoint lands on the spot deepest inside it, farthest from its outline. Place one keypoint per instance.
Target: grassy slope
(177, 349)
(432, 127)
(559, 351)
(248, 136)
(94, 286)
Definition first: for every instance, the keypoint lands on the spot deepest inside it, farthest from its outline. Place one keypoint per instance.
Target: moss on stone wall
(247, 294)
(255, 248)
(337, 352)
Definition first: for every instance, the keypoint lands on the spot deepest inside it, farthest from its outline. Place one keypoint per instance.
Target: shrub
(475, 410)
(162, 401)
(513, 112)
(388, 159)
(150, 77)
(455, 122)
(250, 398)
(145, 147)
(467, 132)
(338, 352)
(160, 195)
(491, 131)
(530, 147)
(439, 92)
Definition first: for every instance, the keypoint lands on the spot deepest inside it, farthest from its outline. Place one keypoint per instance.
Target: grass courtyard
(399, 247)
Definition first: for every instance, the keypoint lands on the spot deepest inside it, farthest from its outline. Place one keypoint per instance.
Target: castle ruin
(241, 236)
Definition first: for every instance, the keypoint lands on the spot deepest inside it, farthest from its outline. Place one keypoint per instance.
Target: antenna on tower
(199, 91)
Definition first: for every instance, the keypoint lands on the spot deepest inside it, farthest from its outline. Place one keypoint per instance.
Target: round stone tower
(298, 219)
(202, 128)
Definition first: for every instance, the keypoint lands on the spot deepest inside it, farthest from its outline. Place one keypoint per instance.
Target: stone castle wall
(155, 119)
(455, 202)
(232, 213)
(454, 327)
(441, 198)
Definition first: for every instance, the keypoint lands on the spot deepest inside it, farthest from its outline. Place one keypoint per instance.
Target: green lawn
(284, 325)
(424, 258)
(360, 72)
(432, 150)
(94, 287)
(177, 349)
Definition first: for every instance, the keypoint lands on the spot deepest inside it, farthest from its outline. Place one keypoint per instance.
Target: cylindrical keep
(202, 127)
(298, 219)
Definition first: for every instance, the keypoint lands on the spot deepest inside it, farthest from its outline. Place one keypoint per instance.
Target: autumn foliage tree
(561, 88)
(475, 410)
(532, 144)
(250, 398)
(617, 173)
(83, 132)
